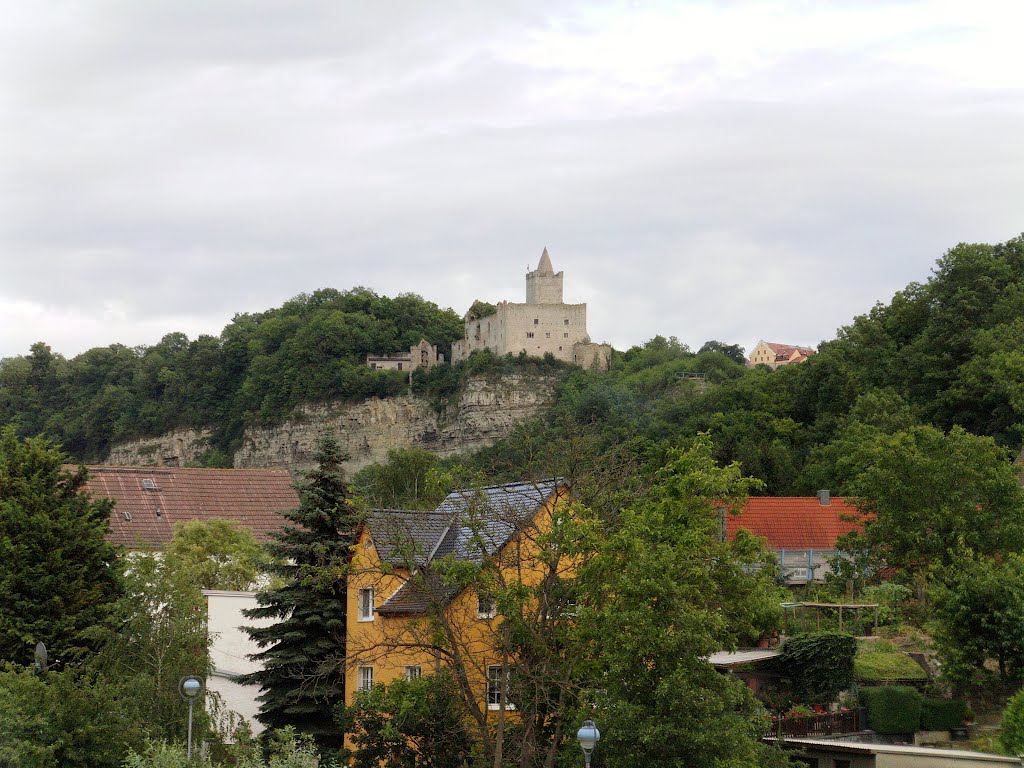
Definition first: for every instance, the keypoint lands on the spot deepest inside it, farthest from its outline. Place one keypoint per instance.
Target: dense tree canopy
(58, 575)
(261, 366)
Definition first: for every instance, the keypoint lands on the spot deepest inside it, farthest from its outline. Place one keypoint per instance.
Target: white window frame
(365, 609)
(365, 678)
(493, 691)
(413, 671)
(485, 610)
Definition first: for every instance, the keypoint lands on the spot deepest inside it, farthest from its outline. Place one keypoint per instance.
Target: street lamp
(190, 687)
(588, 736)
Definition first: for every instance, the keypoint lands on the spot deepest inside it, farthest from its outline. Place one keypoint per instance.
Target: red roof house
(148, 501)
(801, 530)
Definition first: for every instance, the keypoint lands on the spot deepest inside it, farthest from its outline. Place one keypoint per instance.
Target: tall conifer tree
(303, 675)
(58, 574)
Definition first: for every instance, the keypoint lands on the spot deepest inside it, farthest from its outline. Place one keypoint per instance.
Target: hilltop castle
(544, 324)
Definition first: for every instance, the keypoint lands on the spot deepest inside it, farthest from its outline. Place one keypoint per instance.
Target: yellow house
(414, 604)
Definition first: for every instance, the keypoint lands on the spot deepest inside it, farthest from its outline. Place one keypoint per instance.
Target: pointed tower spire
(544, 266)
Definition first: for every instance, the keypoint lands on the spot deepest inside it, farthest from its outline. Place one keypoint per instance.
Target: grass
(879, 661)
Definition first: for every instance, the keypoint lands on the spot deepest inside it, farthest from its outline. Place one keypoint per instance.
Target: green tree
(923, 491)
(215, 554)
(411, 723)
(1011, 735)
(661, 594)
(733, 351)
(303, 679)
(157, 636)
(978, 614)
(58, 575)
(63, 719)
(409, 479)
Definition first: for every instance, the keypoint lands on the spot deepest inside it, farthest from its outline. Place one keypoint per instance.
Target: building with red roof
(801, 530)
(149, 501)
(773, 354)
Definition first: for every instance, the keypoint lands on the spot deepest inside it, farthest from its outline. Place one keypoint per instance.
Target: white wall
(229, 651)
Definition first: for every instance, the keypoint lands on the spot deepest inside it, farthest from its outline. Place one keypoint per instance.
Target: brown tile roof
(148, 501)
(794, 522)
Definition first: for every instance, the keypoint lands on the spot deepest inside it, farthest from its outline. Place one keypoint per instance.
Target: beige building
(422, 355)
(774, 355)
(543, 325)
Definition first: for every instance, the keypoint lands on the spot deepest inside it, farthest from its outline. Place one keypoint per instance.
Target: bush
(942, 714)
(892, 709)
(819, 665)
(1012, 735)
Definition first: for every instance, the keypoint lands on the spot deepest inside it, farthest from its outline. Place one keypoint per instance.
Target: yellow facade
(452, 634)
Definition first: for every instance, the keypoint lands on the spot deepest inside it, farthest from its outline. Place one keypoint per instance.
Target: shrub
(1012, 735)
(942, 714)
(892, 709)
(819, 665)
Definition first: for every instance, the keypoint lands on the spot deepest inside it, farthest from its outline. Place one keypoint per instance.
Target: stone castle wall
(535, 329)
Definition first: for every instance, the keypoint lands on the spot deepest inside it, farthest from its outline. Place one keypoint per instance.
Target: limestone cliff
(489, 408)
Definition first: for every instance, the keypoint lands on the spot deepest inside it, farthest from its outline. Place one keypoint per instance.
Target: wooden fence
(824, 724)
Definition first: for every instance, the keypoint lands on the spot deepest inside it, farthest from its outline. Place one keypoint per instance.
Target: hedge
(819, 665)
(942, 714)
(892, 708)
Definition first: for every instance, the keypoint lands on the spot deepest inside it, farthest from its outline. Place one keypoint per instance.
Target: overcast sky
(731, 170)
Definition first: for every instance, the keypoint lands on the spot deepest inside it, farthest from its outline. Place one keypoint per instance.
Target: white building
(230, 648)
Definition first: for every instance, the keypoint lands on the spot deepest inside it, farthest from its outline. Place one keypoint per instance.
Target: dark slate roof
(478, 523)
(148, 501)
(402, 536)
(488, 517)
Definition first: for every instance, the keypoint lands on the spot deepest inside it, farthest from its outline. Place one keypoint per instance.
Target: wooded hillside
(943, 352)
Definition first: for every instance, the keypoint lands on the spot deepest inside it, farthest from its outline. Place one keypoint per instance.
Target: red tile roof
(144, 517)
(788, 351)
(794, 522)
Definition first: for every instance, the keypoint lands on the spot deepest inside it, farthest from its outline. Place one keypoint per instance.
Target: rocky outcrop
(175, 449)
(489, 408)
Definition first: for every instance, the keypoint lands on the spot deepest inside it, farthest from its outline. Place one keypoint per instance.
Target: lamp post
(190, 687)
(588, 736)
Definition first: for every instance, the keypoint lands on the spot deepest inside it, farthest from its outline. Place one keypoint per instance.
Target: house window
(413, 672)
(365, 678)
(366, 605)
(495, 684)
(485, 606)
(399, 366)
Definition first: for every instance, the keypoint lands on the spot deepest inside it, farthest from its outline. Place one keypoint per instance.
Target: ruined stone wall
(489, 408)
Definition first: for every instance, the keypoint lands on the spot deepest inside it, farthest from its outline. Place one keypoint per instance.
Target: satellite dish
(41, 657)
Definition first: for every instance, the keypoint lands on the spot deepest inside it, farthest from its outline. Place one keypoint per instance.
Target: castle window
(565, 335)
(536, 321)
(529, 334)
(567, 321)
(399, 366)
(547, 335)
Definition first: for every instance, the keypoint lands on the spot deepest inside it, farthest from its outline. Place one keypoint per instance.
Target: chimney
(824, 498)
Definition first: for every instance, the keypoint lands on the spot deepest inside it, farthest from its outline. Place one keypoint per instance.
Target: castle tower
(543, 286)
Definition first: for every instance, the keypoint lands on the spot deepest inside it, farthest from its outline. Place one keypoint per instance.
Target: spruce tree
(303, 675)
(58, 575)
